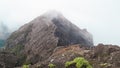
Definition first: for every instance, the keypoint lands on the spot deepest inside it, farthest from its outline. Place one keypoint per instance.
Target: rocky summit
(52, 41)
(39, 38)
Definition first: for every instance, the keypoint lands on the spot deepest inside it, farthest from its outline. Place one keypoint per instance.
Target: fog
(100, 17)
(4, 31)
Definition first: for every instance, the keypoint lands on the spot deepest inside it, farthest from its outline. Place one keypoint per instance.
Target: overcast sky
(100, 17)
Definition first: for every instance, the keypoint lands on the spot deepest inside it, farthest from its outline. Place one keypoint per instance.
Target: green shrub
(25, 66)
(51, 66)
(79, 63)
(69, 63)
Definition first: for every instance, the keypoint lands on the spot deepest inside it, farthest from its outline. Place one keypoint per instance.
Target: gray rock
(38, 39)
(7, 60)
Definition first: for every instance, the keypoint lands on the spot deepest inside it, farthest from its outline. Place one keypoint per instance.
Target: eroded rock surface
(7, 60)
(38, 39)
(101, 56)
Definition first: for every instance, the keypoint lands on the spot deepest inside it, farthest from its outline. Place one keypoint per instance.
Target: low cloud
(4, 31)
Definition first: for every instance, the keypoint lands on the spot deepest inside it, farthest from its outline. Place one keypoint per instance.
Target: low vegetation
(79, 62)
(25, 66)
(51, 66)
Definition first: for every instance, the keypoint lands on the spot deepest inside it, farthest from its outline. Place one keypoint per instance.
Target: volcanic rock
(7, 60)
(38, 39)
(100, 56)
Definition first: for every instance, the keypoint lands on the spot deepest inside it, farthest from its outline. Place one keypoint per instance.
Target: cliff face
(38, 39)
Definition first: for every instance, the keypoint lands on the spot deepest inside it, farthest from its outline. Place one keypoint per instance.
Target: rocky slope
(100, 56)
(38, 39)
(7, 60)
(52, 39)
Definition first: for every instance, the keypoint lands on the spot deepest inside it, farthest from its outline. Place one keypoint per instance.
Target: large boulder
(38, 39)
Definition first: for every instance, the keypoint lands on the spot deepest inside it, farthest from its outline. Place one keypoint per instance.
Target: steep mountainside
(38, 39)
(51, 41)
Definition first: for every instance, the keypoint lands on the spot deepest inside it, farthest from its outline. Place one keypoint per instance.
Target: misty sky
(100, 17)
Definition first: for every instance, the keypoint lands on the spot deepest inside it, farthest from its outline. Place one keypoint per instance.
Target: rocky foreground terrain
(100, 56)
(50, 41)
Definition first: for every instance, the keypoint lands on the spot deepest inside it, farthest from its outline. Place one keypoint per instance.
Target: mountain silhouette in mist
(4, 33)
(52, 40)
(44, 34)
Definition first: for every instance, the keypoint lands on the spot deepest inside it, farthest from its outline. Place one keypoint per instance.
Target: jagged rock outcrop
(38, 39)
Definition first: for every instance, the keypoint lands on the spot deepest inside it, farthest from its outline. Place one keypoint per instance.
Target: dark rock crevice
(69, 34)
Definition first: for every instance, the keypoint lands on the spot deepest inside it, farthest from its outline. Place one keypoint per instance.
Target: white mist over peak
(100, 17)
(52, 14)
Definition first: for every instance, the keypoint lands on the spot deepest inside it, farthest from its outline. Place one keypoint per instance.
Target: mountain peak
(53, 14)
(40, 37)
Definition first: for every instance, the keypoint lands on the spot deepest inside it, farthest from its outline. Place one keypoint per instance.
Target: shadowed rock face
(41, 36)
(69, 34)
